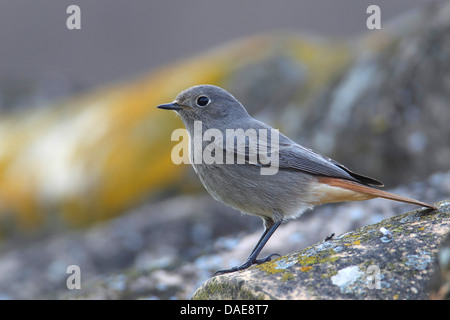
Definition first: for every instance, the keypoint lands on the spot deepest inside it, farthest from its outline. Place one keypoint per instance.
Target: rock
(440, 284)
(362, 264)
(140, 247)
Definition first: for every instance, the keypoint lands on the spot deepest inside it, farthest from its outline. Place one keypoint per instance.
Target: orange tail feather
(356, 187)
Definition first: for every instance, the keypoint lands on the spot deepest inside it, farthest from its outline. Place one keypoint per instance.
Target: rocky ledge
(392, 259)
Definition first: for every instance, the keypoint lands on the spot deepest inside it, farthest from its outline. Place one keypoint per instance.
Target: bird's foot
(249, 262)
(266, 259)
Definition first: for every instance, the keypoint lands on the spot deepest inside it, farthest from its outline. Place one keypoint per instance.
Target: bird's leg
(255, 252)
(268, 224)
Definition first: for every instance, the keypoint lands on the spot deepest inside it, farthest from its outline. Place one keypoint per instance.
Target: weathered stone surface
(440, 284)
(394, 263)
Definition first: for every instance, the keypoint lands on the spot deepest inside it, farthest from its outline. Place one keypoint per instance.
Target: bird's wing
(294, 156)
(255, 148)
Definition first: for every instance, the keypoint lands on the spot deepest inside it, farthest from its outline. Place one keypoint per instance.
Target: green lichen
(287, 276)
(307, 261)
(270, 267)
(215, 288)
(328, 274)
(357, 238)
(319, 258)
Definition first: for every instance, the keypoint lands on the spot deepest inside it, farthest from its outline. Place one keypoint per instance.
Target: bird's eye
(202, 101)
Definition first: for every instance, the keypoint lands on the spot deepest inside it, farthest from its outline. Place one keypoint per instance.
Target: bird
(301, 179)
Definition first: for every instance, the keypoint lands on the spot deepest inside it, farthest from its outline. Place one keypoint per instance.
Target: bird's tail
(370, 192)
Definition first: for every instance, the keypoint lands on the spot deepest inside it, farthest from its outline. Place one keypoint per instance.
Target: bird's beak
(171, 106)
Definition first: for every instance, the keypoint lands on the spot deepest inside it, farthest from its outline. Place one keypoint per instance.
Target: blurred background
(85, 171)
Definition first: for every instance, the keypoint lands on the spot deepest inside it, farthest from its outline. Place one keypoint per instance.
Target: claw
(247, 264)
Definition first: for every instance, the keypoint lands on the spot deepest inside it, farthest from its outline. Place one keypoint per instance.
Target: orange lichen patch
(306, 269)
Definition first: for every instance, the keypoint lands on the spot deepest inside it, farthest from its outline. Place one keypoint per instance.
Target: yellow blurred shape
(93, 156)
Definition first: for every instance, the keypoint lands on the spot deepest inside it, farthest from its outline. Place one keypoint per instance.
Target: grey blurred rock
(389, 110)
(383, 112)
(158, 236)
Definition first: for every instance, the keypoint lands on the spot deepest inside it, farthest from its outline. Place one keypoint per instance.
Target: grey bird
(304, 178)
